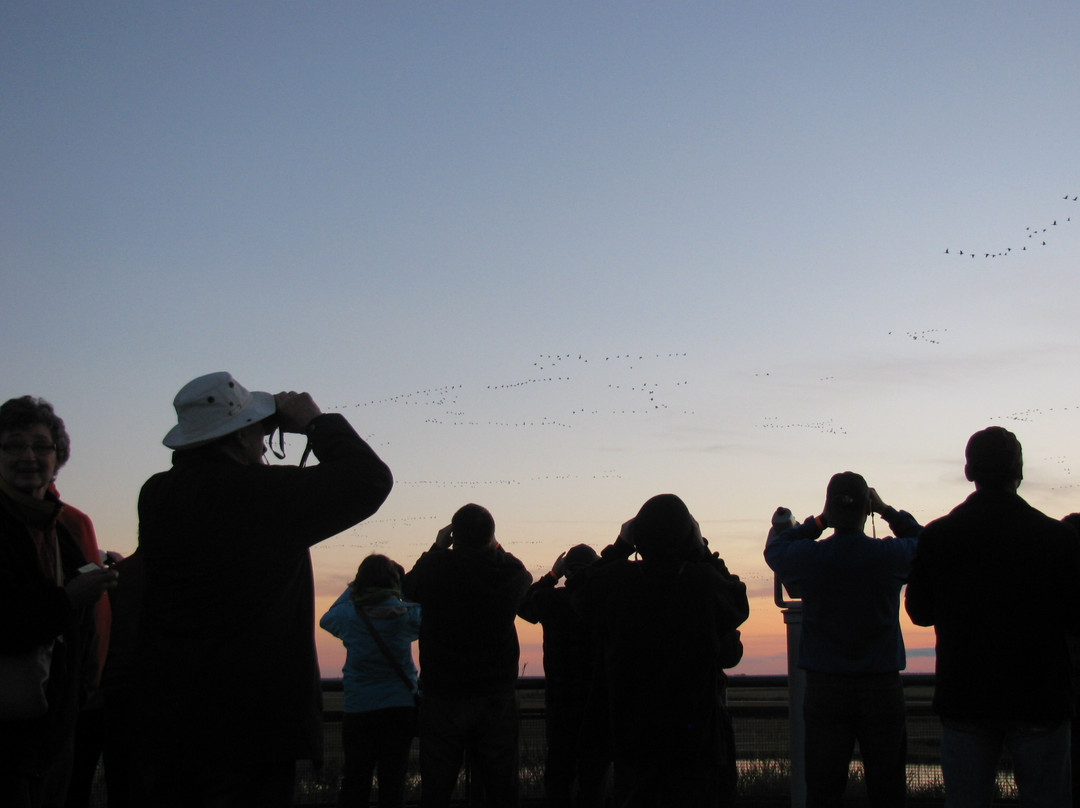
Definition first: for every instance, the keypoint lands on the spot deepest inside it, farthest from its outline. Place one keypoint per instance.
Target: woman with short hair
(45, 600)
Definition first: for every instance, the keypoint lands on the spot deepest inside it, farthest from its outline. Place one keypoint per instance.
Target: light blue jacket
(371, 682)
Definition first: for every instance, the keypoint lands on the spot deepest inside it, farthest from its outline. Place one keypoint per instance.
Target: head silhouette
(994, 459)
(377, 572)
(474, 528)
(578, 558)
(847, 501)
(664, 529)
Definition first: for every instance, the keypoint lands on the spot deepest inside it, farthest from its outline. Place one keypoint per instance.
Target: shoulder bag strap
(400, 671)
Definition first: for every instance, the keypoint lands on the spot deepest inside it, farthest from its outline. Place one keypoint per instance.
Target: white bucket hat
(213, 406)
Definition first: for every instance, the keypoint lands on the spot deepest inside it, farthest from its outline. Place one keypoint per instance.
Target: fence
(759, 708)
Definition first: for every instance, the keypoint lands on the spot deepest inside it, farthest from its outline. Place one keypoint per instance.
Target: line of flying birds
(1035, 233)
(636, 398)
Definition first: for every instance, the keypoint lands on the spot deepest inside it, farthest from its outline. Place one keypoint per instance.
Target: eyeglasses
(18, 449)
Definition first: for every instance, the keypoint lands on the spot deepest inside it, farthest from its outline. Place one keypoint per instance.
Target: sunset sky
(553, 257)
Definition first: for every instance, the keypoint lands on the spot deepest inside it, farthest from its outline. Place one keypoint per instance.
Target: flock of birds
(600, 381)
(930, 335)
(457, 405)
(1036, 234)
(591, 383)
(1032, 413)
(827, 426)
(506, 482)
(1065, 468)
(450, 400)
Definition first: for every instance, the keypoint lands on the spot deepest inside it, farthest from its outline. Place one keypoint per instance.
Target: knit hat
(212, 406)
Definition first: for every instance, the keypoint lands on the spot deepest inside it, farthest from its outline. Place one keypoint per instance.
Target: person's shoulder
(342, 607)
(1051, 527)
(599, 582)
(156, 479)
(1021, 515)
(600, 573)
(73, 514)
(934, 530)
(706, 572)
(389, 608)
(504, 558)
(431, 563)
(893, 550)
(894, 541)
(953, 518)
(622, 569)
(786, 556)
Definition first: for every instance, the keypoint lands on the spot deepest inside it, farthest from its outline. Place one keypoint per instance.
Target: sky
(555, 258)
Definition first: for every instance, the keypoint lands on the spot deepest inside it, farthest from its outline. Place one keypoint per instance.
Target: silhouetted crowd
(190, 665)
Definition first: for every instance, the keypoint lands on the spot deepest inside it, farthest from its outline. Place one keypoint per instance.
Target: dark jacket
(665, 631)
(995, 577)
(468, 640)
(37, 611)
(226, 645)
(568, 643)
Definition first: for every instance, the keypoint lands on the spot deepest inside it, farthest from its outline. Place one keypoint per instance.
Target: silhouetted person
(230, 696)
(662, 624)
(1073, 521)
(73, 787)
(995, 577)
(851, 646)
(568, 661)
(47, 605)
(378, 628)
(469, 588)
(120, 752)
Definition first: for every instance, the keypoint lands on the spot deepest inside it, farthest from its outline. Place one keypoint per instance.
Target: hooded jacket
(371, 680)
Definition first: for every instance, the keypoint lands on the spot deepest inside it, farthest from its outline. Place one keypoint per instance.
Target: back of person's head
(25, 412)
(664, 529)
(847, 500)
(377, 572)
(994, 458)
(578, 558)
(473, 527)
(1073, 521)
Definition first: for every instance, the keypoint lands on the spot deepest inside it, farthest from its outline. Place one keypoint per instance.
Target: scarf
(371, 596)
(39, 516)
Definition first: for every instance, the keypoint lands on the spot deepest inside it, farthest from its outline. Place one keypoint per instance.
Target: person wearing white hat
(230, 695)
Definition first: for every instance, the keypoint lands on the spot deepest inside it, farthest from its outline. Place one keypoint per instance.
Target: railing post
(792, 612)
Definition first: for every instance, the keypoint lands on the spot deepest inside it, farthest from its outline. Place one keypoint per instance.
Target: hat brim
(259, 407)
